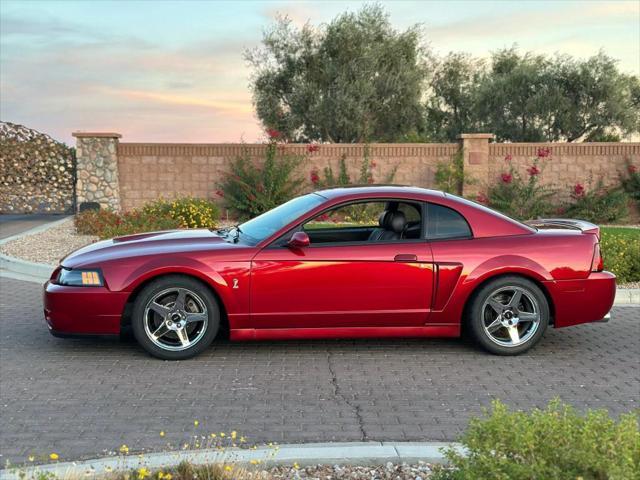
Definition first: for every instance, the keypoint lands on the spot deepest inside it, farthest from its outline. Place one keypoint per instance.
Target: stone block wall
(150, 171)
(128, 175)
(567, 163)
(97, 177)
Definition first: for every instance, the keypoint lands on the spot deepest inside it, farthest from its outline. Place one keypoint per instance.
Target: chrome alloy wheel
(175, 319)
(511, 316)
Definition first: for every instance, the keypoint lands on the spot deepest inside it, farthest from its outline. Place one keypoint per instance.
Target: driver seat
(392, 225)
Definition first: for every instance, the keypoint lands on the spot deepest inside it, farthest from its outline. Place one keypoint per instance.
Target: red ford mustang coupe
(378, 261)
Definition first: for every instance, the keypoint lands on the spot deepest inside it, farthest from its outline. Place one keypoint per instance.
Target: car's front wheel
(508, 315)
(175, 317)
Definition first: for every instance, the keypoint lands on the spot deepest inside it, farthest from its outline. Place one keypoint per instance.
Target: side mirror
(299, 240)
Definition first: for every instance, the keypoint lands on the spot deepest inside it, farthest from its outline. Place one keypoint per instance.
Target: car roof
(385, 190)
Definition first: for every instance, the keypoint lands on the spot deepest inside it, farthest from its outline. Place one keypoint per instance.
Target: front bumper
(82, 310)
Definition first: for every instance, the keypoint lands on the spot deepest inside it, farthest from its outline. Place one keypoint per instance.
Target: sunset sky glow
(162, 71)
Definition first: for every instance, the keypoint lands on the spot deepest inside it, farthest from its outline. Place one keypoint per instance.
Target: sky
(173, 71)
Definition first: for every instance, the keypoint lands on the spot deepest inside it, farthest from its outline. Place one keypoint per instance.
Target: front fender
(230, 280)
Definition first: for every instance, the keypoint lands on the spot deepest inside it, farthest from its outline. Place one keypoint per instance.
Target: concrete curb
(347, 453)
(16, 268)
(12, 267)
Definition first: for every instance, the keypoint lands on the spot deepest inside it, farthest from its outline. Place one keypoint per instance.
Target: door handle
(405, 257)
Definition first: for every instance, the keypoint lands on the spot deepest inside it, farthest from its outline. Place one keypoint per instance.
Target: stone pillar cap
(96, 134)
(490, 136)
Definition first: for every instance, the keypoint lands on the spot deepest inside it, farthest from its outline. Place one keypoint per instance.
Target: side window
(375, 221)
(444, 222)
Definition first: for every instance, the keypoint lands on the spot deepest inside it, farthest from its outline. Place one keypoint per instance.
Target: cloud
(537, 22)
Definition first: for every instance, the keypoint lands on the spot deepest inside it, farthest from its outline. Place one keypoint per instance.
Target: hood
(152, 243)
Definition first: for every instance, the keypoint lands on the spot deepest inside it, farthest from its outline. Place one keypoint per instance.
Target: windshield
(261, 227)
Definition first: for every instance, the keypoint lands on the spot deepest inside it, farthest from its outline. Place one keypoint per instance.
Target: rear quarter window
(445, 223)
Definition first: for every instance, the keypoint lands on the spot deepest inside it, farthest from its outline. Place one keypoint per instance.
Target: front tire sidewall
(475, 322)
(148, 292)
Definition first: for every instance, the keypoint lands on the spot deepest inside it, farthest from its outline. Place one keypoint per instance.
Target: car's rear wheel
(175, 317)
(508, 315)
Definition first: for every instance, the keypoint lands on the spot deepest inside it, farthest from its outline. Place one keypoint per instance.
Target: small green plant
(554, 443)
(598, 205)
(343, 179)
(250, 189)
(631, 182)
(450, 176)
(519, 197)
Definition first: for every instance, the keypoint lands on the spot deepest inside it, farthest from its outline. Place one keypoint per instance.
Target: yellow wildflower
(142, 473)
(162, 433)
(296, 466)
(54, 456)
(213, 435)
(222, 434)
(31, 458)
(124, 449)
(196, 423)
(228, 468)
(234, 434)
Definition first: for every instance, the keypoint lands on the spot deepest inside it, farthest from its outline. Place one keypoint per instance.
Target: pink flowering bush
(518, 196)
(599, 204)
(631, 182)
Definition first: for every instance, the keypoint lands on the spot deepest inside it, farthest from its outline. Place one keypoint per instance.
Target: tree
(596, 101)
(353, 80)
(451, 100)
(533, 98)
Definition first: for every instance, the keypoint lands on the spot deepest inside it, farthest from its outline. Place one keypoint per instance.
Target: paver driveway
(83, 397)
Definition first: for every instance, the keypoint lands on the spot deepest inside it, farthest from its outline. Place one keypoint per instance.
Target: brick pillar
(97, 169)
(475, 151)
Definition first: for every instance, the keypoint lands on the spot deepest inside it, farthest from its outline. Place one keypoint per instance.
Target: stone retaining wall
(37, 173)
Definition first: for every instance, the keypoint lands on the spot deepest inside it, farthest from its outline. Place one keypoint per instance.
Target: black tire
(482, 315)
(197, 301)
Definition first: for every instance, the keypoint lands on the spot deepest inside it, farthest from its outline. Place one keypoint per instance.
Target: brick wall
(148, 171)
(568, 164)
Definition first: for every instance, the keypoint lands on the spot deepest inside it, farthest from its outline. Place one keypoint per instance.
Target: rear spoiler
(565, 223)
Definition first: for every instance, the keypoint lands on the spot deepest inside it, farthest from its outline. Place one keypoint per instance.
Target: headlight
(80, 278)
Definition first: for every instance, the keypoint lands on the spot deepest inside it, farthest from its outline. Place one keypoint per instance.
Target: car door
(346, 283)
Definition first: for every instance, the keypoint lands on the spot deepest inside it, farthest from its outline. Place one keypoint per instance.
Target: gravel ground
(337, 472)
(53, 244)
(48, 246)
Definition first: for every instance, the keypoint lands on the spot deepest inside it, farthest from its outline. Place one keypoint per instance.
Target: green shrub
(521, 198)
(631, 182)
(620, 249)
(191, 212)
(343, 179)
(597, 205)
(155, 216)
(554, 443)
(450, 176)
(250, 189)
